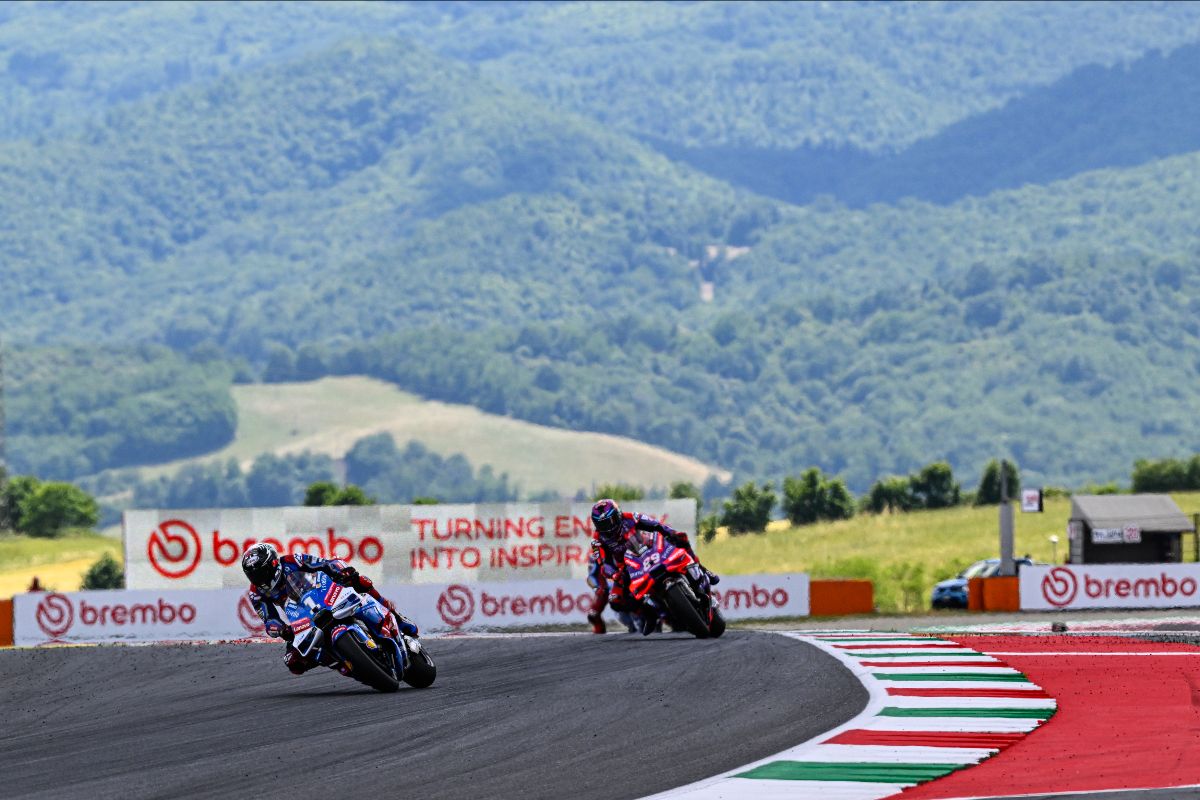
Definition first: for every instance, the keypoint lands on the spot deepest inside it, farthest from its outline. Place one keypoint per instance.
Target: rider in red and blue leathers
(274, 579)
(607, 562)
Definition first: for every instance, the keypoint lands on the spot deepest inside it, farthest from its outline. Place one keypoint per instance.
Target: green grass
(58, 564)
(904, 554)
(329, 415)
(18, 551)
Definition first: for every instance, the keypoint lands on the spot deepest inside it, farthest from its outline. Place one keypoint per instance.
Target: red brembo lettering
(228, 551)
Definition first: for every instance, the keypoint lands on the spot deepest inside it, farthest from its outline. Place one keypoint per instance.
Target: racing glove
(277, 629)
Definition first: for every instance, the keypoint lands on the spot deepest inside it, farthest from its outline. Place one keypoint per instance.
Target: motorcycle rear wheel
(363, 668)
(683, 612)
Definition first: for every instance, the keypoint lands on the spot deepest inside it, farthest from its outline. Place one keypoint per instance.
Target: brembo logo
(754, 597)
(1059, 587)
(175, 549)
(1062, 586)
(456, 605)
(56, 614)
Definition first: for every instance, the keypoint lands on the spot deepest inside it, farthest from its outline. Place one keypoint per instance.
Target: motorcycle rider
(274, 579)
(607, 561)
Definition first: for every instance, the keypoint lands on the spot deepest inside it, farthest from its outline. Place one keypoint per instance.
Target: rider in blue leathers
(274, 579)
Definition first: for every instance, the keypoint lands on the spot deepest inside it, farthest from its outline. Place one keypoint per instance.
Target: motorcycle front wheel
(684, 612)
(363, 668)
(421, 670)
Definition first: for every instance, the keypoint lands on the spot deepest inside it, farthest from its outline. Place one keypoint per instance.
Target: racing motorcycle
(671, 584)
(333, 623)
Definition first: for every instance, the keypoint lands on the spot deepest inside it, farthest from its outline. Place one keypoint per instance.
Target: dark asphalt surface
(576, 717)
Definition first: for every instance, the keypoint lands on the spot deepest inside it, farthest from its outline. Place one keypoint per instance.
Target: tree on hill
(934, 486)
(105, 573)
(893, 493)
(988, 493)
(327, 493)
(54, 507)
(814, 496)
(749, 509)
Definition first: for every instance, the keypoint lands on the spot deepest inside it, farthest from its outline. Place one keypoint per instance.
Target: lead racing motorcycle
(333, 623)
(671, 585)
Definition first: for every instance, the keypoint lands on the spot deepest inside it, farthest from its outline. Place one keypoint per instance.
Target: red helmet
(607, 517)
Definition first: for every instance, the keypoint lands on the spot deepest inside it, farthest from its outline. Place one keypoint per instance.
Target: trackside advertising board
(226, 614)
(202, 549)
(1051, 588)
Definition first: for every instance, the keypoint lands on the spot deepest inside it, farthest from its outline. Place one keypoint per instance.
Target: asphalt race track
(576, 717)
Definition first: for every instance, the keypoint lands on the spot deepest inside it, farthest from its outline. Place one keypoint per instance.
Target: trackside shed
(1126, 529)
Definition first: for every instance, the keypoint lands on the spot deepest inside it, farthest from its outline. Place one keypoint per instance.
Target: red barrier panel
(6, 623)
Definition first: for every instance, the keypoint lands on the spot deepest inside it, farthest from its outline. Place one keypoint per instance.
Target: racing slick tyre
(717, 626)
(683, 612)
(363, 668)
(421, 670)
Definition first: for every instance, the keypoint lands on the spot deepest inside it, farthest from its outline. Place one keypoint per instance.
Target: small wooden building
(1126, 529)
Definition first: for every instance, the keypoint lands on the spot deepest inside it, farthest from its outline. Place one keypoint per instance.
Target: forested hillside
(1094, 118)
(371, 188)
(488, 204)
(772, 75)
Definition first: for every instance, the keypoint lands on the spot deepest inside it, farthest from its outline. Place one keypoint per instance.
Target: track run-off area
(820, 714)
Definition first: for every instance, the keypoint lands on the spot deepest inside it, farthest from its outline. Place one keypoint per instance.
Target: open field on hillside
(905, 554)
(58, 563)
(331, 414)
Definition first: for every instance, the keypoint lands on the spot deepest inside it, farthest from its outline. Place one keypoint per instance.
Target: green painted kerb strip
(852, 771)
(950, 676)
(1001, 713)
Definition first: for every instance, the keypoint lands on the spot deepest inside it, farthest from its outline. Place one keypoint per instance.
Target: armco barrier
(6, 623)
(835, 598)
(223, 614)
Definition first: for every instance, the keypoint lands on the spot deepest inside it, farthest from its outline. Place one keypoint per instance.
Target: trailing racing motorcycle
(335, 624)
(671, 585)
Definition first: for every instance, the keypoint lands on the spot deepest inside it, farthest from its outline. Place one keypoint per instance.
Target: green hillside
(331, 200)
(778, 75)
(1094, 118)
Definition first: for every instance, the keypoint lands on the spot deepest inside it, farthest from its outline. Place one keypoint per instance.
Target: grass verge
(904, 554)
(58, 563)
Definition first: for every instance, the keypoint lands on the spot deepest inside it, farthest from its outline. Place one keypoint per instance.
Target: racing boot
(597, 621)
(627, 620)
(599, 600)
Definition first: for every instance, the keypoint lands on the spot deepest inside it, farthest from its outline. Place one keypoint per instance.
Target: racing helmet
(606, 517)
(262, 567)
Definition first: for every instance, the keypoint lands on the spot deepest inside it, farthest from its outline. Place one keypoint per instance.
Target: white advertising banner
(1049, 588)
(133, 616)
(471, 543)
(226, 614)
(560, 602)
